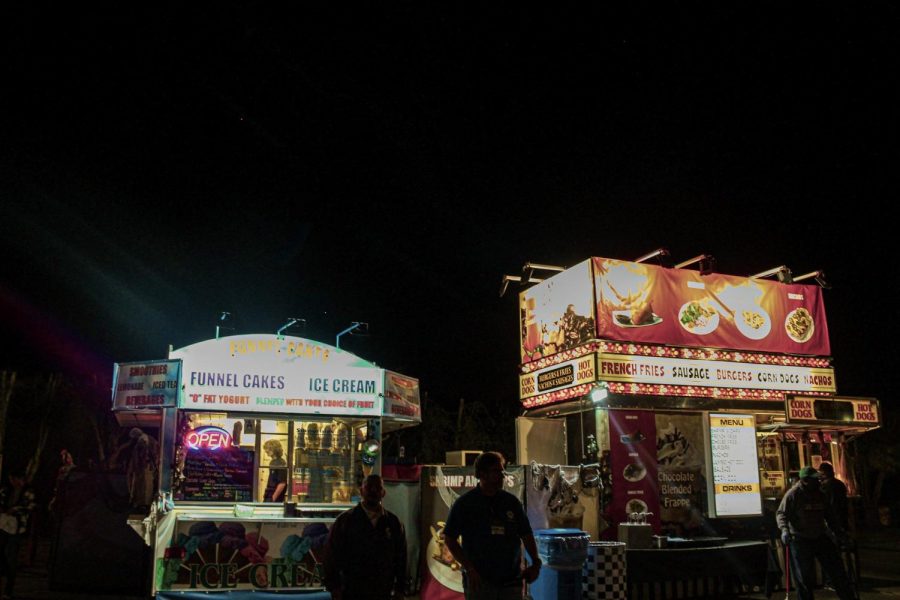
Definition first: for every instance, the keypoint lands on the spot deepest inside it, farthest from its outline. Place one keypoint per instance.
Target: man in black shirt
(493, 526)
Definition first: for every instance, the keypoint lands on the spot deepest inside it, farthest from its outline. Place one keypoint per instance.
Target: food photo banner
(637, 302)
(633, 460)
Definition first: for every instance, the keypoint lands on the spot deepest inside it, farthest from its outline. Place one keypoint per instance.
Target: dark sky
(158, 168)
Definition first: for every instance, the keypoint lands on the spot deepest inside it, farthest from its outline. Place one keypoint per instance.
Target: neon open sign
(207, 438)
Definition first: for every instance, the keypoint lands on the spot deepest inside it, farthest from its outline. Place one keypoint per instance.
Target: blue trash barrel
(563, 552)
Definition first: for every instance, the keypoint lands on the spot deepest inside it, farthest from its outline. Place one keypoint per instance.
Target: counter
(727, 570)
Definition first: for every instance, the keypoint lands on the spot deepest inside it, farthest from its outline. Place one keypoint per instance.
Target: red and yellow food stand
(700, 394)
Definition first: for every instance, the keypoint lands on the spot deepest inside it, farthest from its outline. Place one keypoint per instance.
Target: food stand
(699, 394)
(264, 440)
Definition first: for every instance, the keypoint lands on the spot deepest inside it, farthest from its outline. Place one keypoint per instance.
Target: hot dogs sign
(851, 411)
(635, 302)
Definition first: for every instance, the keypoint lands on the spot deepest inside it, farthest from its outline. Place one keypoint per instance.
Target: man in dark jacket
(802, 518)
(835, 492)
(366, 555)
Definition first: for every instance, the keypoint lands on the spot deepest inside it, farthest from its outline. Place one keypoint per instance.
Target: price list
(225, 475)
(734, 464)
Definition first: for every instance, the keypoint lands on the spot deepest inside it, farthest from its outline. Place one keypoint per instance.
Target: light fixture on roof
(781, 272)
(707, 263)
(356, 328)
(819, 276)
(658, 252)
(527, 275)
(290, 323)
(225, 322)
(529, 268)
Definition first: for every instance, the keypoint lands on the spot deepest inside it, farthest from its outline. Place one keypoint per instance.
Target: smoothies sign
(735, 469)
(641, 303)
(148, 384)
(268, 373)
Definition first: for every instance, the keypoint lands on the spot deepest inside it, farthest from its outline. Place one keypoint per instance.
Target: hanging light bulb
(599, 392)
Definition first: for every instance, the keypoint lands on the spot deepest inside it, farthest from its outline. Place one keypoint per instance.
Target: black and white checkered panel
(604, 575)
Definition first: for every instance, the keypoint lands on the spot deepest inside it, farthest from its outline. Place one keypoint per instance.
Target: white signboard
(713, 373)
(735, 469)
(278, 374)
(147, 384)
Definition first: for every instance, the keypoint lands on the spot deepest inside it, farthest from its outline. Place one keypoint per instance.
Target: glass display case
(308, 460)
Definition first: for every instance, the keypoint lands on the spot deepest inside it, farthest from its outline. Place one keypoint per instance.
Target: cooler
(563, 552)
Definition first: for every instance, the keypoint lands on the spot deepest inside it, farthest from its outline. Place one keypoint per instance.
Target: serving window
(227, 457)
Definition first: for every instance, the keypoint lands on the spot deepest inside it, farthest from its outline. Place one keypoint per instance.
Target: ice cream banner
(401, 396)
(279, 374)
(633, 460)
(147, 384)
(637, 302)
(242, 555)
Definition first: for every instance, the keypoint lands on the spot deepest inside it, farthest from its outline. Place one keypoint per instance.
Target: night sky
(158, 168)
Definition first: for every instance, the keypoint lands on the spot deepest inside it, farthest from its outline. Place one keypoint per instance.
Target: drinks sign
(735, 469)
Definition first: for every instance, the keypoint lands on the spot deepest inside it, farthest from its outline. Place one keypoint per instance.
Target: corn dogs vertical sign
(735, 480)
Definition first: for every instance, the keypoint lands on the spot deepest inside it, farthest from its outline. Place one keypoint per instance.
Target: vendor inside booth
(264, 440)
(700, 395)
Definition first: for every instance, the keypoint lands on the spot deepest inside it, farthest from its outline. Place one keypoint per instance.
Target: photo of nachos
(799, 325)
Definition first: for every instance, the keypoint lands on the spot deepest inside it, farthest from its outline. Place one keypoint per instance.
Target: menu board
(218, 475)
(735, 471)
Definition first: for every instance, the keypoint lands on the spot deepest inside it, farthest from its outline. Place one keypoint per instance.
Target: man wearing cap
(804, 517)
